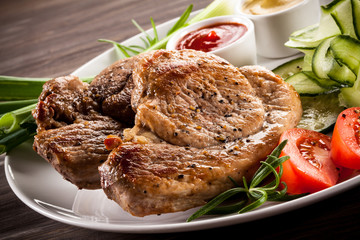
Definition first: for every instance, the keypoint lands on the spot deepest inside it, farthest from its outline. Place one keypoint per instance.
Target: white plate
(40, 187)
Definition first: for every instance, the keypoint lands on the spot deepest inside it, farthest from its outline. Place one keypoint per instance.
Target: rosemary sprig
(150, 43)
(252, 195)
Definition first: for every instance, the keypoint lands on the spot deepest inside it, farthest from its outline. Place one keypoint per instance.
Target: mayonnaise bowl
(240, 52)
(273, 29)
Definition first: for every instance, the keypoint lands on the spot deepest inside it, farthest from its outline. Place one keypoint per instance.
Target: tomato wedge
(345, 149)
(310, 168)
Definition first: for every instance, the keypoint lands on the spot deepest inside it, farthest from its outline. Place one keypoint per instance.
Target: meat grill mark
(194, 130)
(197, 119)
(72, 125)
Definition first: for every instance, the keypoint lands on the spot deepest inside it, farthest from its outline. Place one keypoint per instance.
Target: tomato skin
(345, 150)
(300, 174)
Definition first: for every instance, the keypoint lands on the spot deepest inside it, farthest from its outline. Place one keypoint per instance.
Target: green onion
(252, 195)
(10, 122)
(9, 141)
(13, 105)
(20, 88)
(16, 127)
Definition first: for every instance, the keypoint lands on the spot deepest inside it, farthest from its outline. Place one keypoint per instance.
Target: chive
(22, 88)
(10, 122)
(9, 141)
(19, 88)
(13, 105)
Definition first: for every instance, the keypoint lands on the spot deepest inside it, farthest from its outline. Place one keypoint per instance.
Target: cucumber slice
(356, 16)
(305, 34)
(342, 15)
(301, 45)
(323, 82)
(347, 50)
(320, 112)
(321, 62)
(350, 97)
(342, 74)
(304, 38)
(289, 68)
(308, 59)
(305, 85)
(326, 67)
(327, 26)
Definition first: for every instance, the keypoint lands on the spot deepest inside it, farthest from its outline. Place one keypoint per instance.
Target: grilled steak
(112, 90)
(76, 150)
(198, 120)
(74, 118)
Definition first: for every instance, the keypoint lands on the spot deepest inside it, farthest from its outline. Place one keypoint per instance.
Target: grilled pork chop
(74, 118)
(198, 121)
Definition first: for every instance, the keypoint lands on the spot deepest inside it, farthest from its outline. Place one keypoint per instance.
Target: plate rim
(199, 224)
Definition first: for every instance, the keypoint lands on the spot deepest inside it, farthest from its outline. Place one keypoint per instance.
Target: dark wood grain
(42, 38)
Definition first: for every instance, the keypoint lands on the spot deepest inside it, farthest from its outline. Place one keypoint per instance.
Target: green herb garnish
(253, 194)
(150, 43)
(20, 97)
(216, 8)
(21, 88)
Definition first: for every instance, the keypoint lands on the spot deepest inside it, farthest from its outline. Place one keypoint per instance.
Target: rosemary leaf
(273, 160)
(215, 202)
(227, 209)
(257, 203)
(274, 184)
(256, 195)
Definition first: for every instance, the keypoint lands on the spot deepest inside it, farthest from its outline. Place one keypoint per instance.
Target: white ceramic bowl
(239, 53)
(273, 30)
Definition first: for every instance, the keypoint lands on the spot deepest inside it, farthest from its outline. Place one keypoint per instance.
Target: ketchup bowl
(230, 37)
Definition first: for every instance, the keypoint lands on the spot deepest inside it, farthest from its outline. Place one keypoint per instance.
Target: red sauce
(212, 37)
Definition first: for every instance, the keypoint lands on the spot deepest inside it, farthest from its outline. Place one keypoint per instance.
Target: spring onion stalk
(20, 88)
(9, 106)
(10, 122)
(11, 140)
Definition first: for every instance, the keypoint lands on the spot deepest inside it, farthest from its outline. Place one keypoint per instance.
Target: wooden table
(41, 38)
